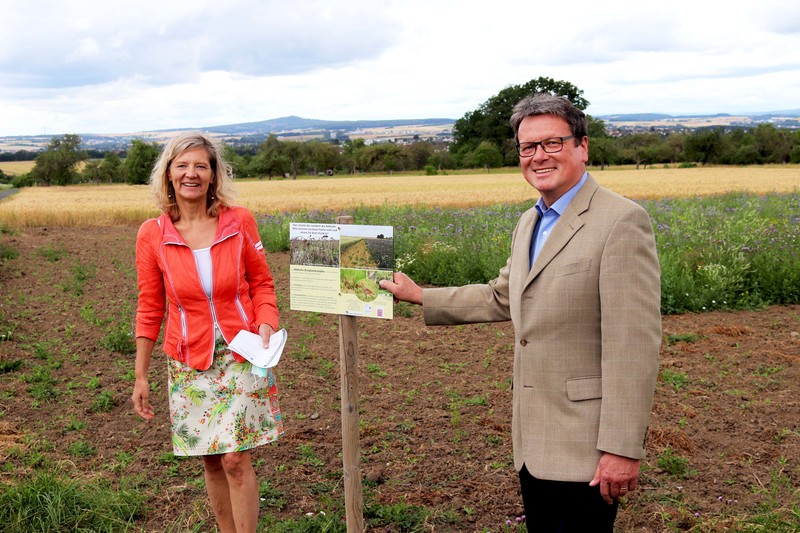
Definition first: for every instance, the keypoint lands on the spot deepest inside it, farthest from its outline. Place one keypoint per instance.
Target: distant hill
(294, 123)
(291, 127)
(639, 122)
(634, 117)
(650, 117)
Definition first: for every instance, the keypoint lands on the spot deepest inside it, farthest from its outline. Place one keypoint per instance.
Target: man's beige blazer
(587, 328)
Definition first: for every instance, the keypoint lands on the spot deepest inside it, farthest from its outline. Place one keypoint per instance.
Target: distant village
(440, 132)
(436, 134)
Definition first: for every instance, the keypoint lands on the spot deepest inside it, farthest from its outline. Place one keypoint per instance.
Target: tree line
(482, 138)
(59, 164)
(762, 144)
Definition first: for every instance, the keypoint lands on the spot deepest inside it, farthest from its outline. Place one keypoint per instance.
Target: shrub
(22, 180)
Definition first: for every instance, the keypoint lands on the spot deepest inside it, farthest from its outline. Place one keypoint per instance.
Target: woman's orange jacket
(243, 294)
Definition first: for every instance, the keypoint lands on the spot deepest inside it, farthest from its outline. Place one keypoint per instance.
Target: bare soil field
(723, 445)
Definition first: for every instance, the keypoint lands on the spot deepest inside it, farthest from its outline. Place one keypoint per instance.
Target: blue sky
(87, 66)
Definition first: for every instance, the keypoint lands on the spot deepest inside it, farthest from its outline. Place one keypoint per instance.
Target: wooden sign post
(351, 448)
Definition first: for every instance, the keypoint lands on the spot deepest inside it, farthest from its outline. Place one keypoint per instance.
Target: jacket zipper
(242, 312)
(239, 306)
(211, 298)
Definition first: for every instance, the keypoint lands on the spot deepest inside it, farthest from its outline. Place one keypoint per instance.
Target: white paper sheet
(248, 345)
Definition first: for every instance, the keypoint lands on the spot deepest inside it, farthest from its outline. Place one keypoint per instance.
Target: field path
(8, 192)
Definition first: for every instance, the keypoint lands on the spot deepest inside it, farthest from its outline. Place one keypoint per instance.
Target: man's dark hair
(547, 104)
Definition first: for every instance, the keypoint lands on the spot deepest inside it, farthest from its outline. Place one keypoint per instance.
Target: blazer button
(524, 342)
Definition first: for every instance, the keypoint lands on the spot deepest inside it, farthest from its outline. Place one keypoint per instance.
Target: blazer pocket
(582, 265)
(588, 388)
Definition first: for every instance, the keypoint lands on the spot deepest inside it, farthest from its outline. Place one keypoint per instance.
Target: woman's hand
(266, 331)
(141, 399)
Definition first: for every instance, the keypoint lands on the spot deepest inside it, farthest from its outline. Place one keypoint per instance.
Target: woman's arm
(141, 388)
(258, 274)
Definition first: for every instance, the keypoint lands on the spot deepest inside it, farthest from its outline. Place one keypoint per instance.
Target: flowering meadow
(730, 251)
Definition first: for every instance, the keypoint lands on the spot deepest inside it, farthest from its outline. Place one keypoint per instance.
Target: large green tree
(418, 154)
(106, 170)
(139, 163)
(490, 121)
(270, 159)
(111, 168)
(239, 165)
(323, 156)
(296, 153)
(354, 153)
(601, 146)
(57, 165)
(705, 146)
(486, 155)
(640, 148)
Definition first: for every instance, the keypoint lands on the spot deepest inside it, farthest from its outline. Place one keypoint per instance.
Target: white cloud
(92, 67)
(83, 43)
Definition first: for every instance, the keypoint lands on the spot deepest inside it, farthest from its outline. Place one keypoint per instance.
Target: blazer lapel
(568, 224)
(521, 251)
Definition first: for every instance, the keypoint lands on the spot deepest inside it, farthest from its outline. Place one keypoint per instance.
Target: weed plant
(52, 254)
(7, 252)
(674, 464)
(120, 340)
(729, 251)
(10, 365)
(104, 402)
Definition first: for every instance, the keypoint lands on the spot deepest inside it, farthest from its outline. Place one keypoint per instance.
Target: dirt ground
(724, 442)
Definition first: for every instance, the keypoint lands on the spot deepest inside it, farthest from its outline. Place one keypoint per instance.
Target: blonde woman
(202, 264)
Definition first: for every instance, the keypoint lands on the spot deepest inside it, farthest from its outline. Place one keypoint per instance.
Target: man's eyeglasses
(550, 146)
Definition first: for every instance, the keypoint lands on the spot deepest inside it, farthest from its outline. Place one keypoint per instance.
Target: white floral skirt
(223, 409)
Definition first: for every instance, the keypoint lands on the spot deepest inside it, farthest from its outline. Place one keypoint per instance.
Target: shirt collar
(562, 203)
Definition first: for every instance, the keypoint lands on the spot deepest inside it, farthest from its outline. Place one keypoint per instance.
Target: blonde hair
(220, 190)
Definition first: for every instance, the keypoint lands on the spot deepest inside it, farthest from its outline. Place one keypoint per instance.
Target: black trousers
(564, 506)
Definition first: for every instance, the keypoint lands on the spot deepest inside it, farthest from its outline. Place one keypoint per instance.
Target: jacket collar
(228, 226)
(568, 225)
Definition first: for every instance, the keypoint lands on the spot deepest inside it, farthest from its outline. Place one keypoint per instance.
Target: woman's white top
(203, 259)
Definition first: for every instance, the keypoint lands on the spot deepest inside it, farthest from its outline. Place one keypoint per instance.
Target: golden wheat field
(105, 205)
(16, 167)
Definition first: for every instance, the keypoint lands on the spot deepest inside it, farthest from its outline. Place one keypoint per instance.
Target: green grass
(308, 456)
(104, 402)
(676, 380)
(42, 384)
(120, 340)
(673, 464)
(10, 365)
(688, 338)
(52, 254)
(8, 252)
(49, 502)
(81, 448)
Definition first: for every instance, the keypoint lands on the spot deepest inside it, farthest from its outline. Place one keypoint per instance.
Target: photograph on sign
(337, 269)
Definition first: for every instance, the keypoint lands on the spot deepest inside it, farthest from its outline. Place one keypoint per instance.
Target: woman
(203, 264)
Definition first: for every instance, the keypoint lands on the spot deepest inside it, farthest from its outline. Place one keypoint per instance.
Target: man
(582, 287)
